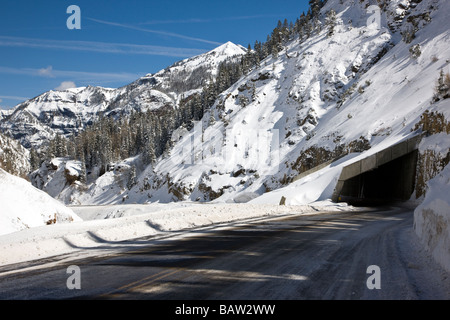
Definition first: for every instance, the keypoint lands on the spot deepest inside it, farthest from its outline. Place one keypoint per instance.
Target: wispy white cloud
(103, 77)
(193, 20)
(13, 98)
(208, 20)
(164, 33)
(66, 85)
(6, 102)
(46, 72)
(102, 47)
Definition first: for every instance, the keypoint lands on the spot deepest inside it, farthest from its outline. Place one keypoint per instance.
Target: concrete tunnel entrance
(385, 177)
(391, 182)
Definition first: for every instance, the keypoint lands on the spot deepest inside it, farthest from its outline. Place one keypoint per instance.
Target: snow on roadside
(135, 221)
(23, 206)
(432, 218)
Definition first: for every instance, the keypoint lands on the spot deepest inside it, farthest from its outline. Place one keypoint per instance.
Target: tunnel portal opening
(389, 183)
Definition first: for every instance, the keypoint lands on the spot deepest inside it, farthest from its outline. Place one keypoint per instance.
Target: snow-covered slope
(320, 99)
(4, 113)
(23, 206)
(69, 111)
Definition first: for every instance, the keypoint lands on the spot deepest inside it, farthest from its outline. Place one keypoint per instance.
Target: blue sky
(119, 41)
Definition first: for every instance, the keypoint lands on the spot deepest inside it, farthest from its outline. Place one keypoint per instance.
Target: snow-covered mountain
(193, 73)
(70, 111)
(365, 76)
(333, 94)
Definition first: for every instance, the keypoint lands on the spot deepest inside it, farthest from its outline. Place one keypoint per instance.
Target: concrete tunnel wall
(389, 175)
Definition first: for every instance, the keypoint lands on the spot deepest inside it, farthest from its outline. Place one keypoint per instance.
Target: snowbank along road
(351, 255)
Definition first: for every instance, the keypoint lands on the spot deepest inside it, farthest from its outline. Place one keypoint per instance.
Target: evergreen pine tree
(315, 6)
(132, 179)
(308, 26)
(83, 172)
(442, 89)
(60, 146)
(198, 108)
(35, 161)
(275, 52)
(167, 148)
(259, 51)
(149, 153)
(331, 22)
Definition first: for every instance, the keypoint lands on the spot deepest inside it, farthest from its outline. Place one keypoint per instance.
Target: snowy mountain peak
(229, 49)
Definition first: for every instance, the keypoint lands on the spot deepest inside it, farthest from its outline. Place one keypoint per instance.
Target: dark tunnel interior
(389, 183)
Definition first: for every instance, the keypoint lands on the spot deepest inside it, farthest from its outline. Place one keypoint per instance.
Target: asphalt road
(323, 256)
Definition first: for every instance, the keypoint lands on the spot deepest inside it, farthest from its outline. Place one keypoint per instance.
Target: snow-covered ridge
(188, 76)
(210, 59)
